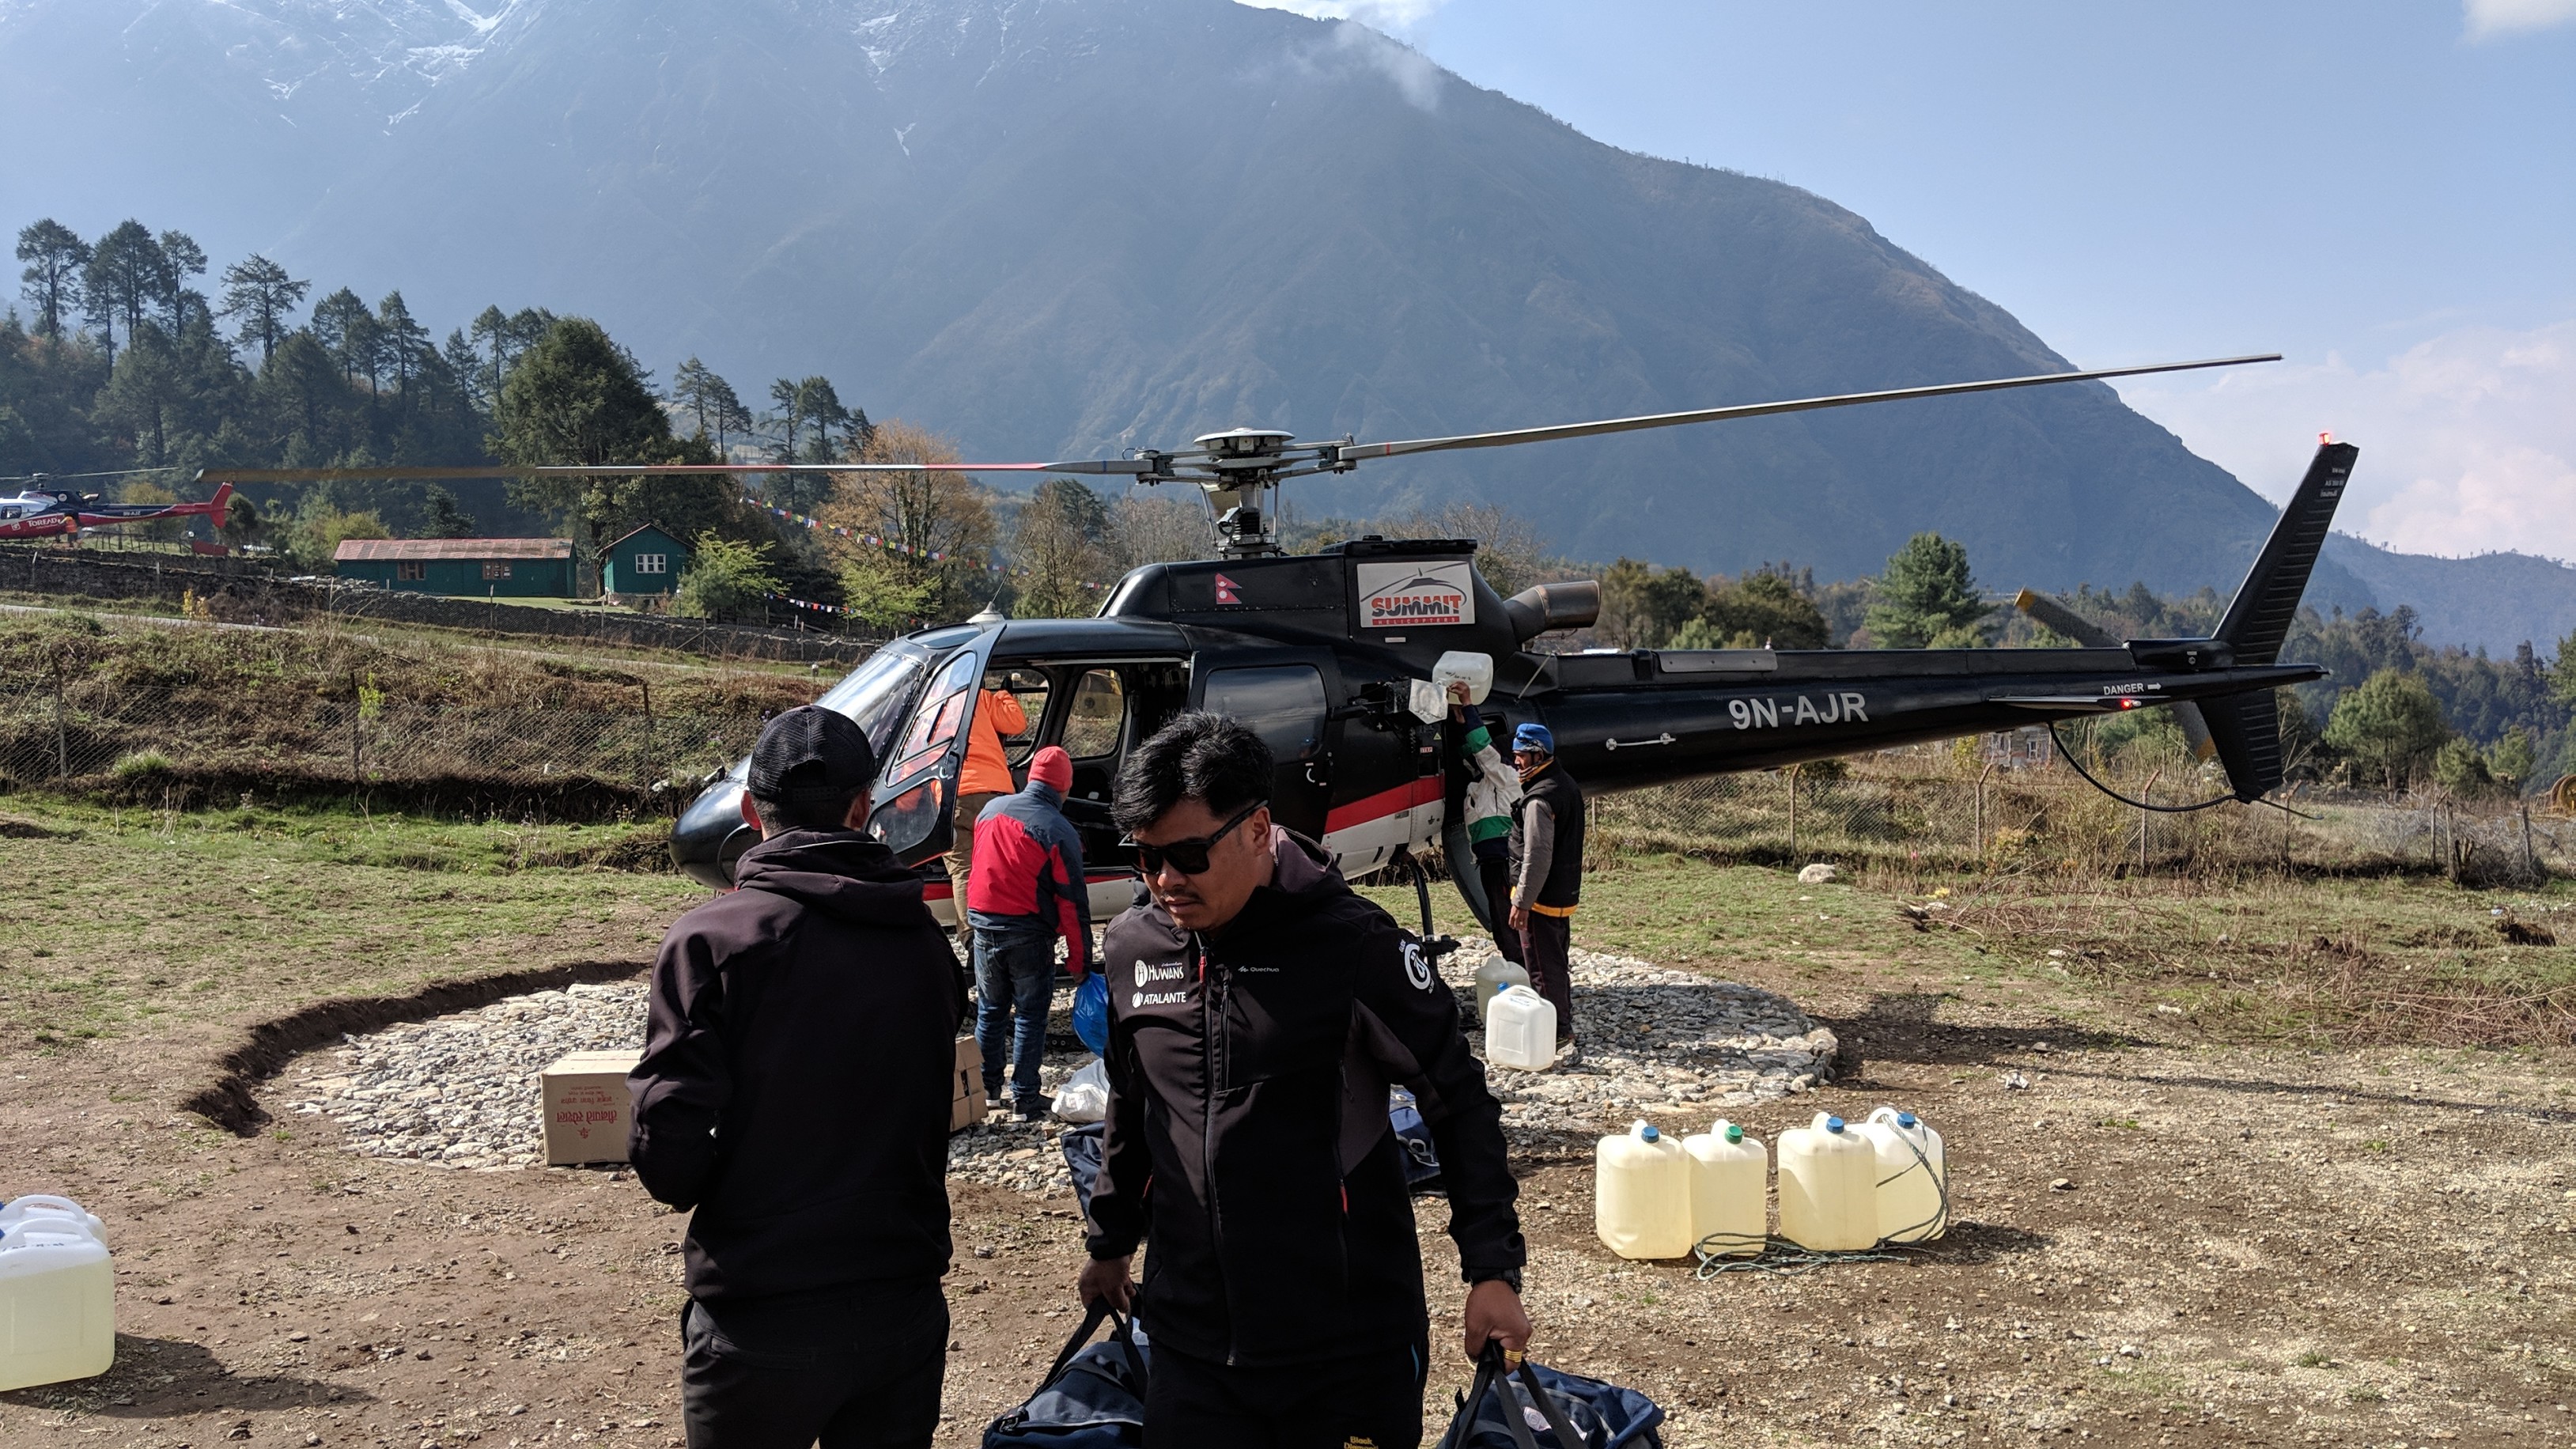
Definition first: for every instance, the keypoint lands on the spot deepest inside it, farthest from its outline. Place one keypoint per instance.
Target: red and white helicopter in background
(42, 511)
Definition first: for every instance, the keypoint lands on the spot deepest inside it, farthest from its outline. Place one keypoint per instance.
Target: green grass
(2249, 959)
(139, 923)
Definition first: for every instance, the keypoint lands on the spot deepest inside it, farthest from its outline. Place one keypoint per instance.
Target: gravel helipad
(461, 1091)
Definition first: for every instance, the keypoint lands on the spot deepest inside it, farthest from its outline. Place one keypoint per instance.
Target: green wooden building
(644, 563)
(467, 567)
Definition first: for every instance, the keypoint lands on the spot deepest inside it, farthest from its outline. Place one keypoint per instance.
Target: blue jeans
(1014, 973)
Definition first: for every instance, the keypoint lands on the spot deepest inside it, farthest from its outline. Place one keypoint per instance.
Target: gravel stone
(1675, 1047)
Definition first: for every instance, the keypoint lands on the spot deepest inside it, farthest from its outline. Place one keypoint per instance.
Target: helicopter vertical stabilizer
(2246, 728)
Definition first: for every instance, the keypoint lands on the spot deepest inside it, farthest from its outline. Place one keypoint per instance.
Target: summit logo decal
(1402, 595)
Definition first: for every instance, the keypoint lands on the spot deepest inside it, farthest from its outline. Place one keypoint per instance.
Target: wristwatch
(1509, 1277)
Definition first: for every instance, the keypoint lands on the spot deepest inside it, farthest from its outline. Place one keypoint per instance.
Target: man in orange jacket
(985, 778)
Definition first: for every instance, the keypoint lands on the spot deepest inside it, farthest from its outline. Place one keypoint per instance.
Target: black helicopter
(1328, 656)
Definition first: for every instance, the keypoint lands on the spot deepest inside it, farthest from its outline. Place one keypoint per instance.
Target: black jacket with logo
(1248, 1132)
(798, 1071)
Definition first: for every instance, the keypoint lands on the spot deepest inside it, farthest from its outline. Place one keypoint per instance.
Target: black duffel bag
(1092, 1398)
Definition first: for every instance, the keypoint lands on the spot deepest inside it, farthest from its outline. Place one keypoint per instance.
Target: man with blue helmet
(1547, 869)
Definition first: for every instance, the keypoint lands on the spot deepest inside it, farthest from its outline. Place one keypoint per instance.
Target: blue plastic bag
(1091, 1012)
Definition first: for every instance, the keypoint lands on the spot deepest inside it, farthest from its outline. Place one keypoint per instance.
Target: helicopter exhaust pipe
(1541, 607)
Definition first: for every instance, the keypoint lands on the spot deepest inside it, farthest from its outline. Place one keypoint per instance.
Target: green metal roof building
(643, 563)
(466, 567)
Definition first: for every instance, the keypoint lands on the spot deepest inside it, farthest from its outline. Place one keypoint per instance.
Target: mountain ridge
(1050, 227)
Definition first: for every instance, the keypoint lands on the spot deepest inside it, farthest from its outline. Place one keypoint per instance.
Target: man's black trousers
(856, 1370)
(1495, 874)
(1372, 1399)
(1547, 952)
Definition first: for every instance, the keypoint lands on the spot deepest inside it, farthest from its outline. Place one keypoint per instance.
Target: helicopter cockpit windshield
(874, 695)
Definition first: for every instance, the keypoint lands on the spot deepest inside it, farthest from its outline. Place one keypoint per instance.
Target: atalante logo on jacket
(1397, 595)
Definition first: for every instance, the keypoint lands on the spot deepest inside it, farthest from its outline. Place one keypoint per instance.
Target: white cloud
(1398, 16)
(2468, 440)
(2490, 18)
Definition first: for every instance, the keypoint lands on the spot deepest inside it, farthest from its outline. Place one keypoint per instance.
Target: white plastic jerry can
(57, 1297)
(1641, 1194)
(1729, 1190)
(1828, 1187)
(1520, 1030)
(1492, 977)
(1913, 1177)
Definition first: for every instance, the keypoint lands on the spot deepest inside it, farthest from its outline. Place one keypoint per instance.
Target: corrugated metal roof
(411, 550)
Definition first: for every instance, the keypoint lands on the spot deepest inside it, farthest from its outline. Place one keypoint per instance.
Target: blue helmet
(1533, 737)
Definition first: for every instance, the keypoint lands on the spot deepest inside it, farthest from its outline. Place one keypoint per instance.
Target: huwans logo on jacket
(1398, 595)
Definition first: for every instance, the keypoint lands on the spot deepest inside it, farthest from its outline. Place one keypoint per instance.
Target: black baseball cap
(813, 754)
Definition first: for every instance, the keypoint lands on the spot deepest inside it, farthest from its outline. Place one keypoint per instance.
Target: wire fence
(2036, 815)
(78, 727)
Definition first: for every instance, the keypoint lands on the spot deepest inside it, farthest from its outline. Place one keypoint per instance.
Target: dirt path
(2159, 1245)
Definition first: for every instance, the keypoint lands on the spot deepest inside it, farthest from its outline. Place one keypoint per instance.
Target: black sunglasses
(1189, 857)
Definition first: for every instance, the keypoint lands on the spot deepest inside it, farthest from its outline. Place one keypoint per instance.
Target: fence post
(1791, 774)
(2146, 793)
(2530, 858)
(62, 741)
(357, 780)
(1977, 822)
(647, 686)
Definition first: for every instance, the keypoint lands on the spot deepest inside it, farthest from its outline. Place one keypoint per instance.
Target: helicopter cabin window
(1029, 687)
(411, 572)
(1099, 707)
(496, 570)
(1283, 703)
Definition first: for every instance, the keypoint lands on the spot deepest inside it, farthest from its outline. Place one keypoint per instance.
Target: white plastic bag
(1084, 1097)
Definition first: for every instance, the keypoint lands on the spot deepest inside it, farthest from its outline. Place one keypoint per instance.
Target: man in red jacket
(1026, 892)
(814, 1253)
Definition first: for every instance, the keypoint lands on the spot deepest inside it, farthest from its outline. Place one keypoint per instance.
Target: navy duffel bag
(1530, 1407)
(1093, 1397)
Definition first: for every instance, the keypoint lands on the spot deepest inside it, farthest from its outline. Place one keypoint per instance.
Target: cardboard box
(966, 1086)
(587, 1107)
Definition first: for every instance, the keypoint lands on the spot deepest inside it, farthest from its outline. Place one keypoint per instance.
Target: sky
(2384, 192)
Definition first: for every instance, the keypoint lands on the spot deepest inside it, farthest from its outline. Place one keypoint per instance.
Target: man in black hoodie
(795, 1092)
(1259, 1010)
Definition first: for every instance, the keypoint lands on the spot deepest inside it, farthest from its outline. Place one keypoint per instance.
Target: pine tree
(578, 397)
(264, 297)
(399, 340)
(54, 255)
(181, 259)
(1927, 598)
(444, 516)
(126, 274)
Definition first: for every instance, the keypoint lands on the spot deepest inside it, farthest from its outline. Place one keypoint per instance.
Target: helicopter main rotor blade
(1759, 410)
(627, 470)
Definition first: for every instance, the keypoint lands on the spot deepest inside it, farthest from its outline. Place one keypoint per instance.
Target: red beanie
(1052, 766)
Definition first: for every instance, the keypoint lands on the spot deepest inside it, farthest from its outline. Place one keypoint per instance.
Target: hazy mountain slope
(2495, 599)
(1055, 226)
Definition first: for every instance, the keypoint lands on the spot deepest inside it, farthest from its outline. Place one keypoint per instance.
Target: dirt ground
(2159, 1244)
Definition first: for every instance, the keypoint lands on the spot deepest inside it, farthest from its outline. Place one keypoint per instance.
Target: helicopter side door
(916, 792)
(1281, 695)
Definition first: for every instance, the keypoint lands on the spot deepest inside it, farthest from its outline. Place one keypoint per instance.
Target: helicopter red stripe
(1424, 791)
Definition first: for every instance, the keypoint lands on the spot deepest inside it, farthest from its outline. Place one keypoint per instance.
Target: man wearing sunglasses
(1259, 1012)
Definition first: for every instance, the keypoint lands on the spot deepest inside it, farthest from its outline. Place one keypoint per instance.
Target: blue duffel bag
(1093, 1398)
(1421, 1159)
(1530, 1407)
(1081, 1149)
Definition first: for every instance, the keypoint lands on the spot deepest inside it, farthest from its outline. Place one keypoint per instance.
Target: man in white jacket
(1493, 788)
